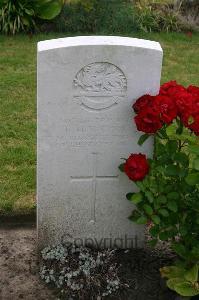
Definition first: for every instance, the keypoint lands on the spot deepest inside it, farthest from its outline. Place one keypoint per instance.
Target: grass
(18, 107)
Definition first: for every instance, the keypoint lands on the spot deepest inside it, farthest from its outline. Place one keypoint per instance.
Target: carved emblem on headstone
(99, 86)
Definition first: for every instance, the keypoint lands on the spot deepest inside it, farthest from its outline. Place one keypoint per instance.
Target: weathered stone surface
(86, 87)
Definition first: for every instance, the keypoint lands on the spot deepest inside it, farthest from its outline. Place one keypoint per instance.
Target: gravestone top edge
(97, 41)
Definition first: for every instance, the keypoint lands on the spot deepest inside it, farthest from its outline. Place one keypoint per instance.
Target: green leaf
(135, 215)
(164, 212)
(172, 170)
(183, 173)
(165, 159)
(170, 130)
(192, 178)
(154, 230)
(155, 219)
(172, 206)
(179, 249)
(194, 149)
(183, 230)
(153, 242)
(140, 184)
(29, 12)
(156, 204)
(162, 199)
(149, 195)
(173, 195)
(26, 21)
(160, 149)
(143, 138)
(153, 186)
(195, 253)
(145, 181)
(172, 232)
(163, 236)
(142, 220)
(168, 188)
(160, 169)
(196, 164)
(129, 195)
(121, 167)
(49, 10)
(2, 2)
(148, 209)
(172, 146)
(179, 130)
(163, 133)
(186, 289)
(181, 158)
(136, 198)
(171, 283)
(172, 272)
(192, 275)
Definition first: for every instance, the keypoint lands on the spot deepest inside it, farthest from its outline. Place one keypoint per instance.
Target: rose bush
(168, 196)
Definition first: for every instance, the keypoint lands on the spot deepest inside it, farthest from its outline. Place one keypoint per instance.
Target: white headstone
(86, 87)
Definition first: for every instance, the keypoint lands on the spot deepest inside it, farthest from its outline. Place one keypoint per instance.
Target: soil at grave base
(19, 266)
(19, 277)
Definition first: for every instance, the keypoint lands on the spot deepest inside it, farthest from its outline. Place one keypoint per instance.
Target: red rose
(191, 121)
(184, 102)
(194, 90)
(143, 102)
(173, 100)
(136, 167)
(171, 89)
(167, 85)
(196, 103)
(190, 115)
(167, 107)
(148, 120)
(188, 106)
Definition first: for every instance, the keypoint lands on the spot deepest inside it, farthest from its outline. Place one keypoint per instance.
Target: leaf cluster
(21, 15)
(184, 282)
(169, 194)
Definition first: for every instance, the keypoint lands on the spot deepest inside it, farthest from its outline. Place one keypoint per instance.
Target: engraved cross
(94, 178)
